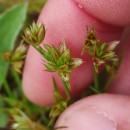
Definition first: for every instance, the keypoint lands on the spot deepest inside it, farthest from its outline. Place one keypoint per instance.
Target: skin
(68, 19)
(99, 112)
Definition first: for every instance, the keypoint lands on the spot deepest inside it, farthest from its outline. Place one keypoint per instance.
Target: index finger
(63, 19)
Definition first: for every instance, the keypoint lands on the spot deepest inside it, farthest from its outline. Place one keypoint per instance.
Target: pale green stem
(67, 90)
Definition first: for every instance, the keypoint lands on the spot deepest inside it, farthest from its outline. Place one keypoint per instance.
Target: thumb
(99, 112)
(63, 19)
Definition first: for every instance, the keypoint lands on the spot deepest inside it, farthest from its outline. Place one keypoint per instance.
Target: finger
(112, 12)
(121, 83)
(99, 112)
(63, 19)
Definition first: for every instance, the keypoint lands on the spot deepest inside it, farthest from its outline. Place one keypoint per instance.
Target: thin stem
(95, 90)
(7, 88)
(44, 118)
(109, 81)
(96, 83)
(66, 88)
(42, 52)
(17, 79)
(39, 49)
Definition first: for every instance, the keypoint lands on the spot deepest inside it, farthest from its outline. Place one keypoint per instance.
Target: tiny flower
(34, 34)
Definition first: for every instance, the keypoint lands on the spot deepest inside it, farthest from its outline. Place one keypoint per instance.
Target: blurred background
(15, 15)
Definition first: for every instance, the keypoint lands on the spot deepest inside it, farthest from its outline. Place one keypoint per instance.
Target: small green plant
(56, 60)
(59, 60)
(102, 54)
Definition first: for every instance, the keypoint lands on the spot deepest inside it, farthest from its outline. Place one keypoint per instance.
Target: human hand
(68, 20)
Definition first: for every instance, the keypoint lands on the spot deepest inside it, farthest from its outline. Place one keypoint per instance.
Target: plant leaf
(3, 115)
(11, 23)
(3, 119)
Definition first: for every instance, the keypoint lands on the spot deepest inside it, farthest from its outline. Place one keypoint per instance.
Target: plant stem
(109, 82)
(7, 88)
(39, 49)
(67, 90)
(96, 83)
(17, 78)
(42, 52)
(95, 90)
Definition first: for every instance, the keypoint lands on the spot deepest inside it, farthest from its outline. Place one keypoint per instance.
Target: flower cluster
(56, 59)
(101, 52)
(23, 122)
(16, 58)
(59, 60)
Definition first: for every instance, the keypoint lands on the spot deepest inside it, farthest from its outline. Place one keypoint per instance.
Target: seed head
(101, 52)
(59, 60)
(34, 34)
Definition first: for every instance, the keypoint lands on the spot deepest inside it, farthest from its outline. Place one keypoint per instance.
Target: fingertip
(114, 12)
(98, 112)
(85, 118)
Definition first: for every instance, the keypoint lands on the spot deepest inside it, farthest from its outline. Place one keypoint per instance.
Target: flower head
(101, 52)
(16, 58)
(59, 60)
(23, 122)
(34, 34)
